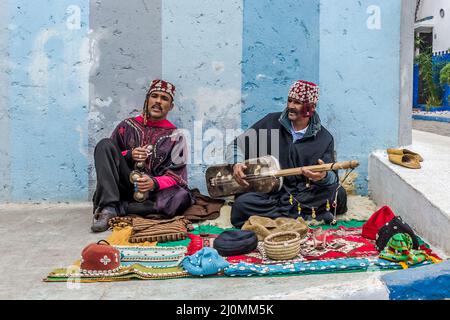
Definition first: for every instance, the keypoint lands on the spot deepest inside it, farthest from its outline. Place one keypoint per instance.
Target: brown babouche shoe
(404, 152)
(101, 219)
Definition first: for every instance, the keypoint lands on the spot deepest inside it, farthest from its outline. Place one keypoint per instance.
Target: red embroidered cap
(376, 221)
(304, 91)
(164, 86)
(100, 258)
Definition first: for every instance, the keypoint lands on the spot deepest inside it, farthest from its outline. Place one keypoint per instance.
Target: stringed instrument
(263, 175)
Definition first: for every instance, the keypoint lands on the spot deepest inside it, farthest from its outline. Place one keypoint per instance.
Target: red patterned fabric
(339, 243)
(195, 245)
(428, 251)
(167, 142)
(164, 86)
(304, 91)
(200, 241)
(249, 258)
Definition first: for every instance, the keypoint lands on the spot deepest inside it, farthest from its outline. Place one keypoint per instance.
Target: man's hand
(314, 176)
(139, 154)
(145, 183)
(239, 175)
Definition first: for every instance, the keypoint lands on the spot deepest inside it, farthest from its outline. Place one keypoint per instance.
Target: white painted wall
(441, 26)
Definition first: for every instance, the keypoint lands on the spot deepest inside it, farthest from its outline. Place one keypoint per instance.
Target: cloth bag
(263, 226)
(205, 262)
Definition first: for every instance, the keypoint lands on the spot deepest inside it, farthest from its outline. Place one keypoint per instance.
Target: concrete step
(420, 196)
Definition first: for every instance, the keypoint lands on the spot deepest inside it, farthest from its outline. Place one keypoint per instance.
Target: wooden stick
(318, 168)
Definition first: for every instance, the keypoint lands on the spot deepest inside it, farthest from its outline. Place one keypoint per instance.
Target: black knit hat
(235, 242)
(396, 225)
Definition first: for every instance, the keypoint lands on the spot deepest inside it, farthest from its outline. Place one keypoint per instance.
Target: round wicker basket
(282, 245)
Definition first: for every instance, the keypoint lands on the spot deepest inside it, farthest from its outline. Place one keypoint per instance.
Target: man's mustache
(156, 106)
(294, 111)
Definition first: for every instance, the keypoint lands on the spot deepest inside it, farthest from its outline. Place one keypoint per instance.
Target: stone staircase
(422, 196)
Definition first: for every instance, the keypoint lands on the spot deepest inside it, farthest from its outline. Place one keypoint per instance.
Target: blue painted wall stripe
(49, 99)
(202, 52)
(5, 72)
(280, 46)
(359, 77)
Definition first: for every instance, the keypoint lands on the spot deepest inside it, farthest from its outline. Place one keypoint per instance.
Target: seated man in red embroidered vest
(150, 143)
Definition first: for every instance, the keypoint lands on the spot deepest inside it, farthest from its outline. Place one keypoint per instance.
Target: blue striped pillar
(48, 104)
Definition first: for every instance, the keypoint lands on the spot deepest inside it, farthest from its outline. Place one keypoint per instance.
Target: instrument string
(258, 176)
(252, 177)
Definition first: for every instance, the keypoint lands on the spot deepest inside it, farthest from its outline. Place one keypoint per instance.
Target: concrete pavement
(441, 128)
(39, 238)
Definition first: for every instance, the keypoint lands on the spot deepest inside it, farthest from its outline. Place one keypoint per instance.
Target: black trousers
(114, 188)
(275, 205)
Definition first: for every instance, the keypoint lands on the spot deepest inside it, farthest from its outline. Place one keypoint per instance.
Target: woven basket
(282, 245)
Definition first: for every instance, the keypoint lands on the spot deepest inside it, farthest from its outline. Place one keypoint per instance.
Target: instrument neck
(298, 171)
(317, 168)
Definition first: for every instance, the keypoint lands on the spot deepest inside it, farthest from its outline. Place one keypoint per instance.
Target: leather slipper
(404, 151)
(406, 160)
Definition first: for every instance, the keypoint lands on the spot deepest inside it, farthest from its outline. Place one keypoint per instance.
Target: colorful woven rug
(135, 271)
(312, 267)
(152, 257)
(345, 250)
(341, 242)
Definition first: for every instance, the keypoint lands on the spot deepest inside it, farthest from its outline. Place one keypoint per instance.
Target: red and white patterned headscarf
(304, 91)
(161, 85)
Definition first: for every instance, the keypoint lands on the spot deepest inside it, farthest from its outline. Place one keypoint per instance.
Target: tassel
(328, 205)
(313, 213)
(291, 199)
(433, 259)
(299, 209)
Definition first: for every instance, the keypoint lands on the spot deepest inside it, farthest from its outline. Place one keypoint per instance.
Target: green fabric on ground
(345, 224)
(208, 229)
(200, 229)
(184, 243)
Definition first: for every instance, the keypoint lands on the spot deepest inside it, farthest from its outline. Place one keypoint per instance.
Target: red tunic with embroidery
(167, 161)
